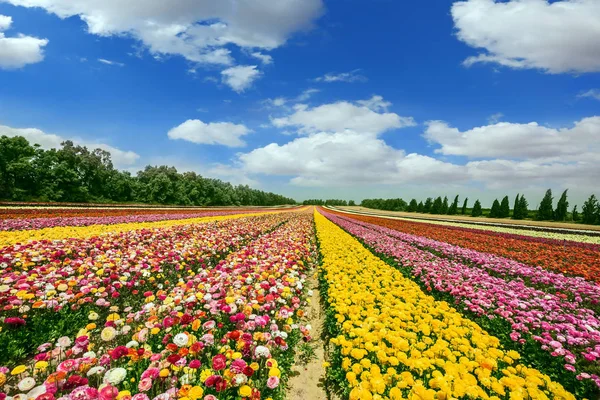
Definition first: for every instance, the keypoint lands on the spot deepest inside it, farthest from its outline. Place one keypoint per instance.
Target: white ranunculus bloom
(115, 376)
(181, 339)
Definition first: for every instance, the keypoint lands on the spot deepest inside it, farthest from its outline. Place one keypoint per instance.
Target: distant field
(478, 220)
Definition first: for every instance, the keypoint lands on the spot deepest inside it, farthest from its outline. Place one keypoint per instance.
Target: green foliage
(412, 206)
(589, 211)
(330, 202)
(545, 211)
(428, 205)
(575, 214)
(477, 211)
(464, 207)
(351, 203)
(444, 209)
(495, 211)
(562, 207)
(504, 211)
(521, 208)
(421, 207)
(453, 210)
(306, 353)
(385, 204)
(438, 203)
(76, 174)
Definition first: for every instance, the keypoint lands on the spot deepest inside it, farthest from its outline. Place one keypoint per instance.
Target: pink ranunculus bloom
(145, 384)
(109, 393)
(272, 382)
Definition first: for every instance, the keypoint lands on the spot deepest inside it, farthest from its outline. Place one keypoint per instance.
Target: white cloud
(264, 58)
(306, 95)
(108, 62)
(198, 30)
(343, 115)
(279, 102)
(517, 141)
(5, 22)
(349, 77)
(224, 133)
(593, 94)
(120, 158)
(345, 158)
(557, 37)
(241, 77)
(21, 50)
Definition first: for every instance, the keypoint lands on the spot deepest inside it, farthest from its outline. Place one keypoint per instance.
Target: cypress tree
(477, 211)
(428, 205)
(516, 214)
(412, 207)
(453, 210)
(545, 211)
(436, 208)
(420, 207)
(575, 214)
(588, 211)
(464, 207)
(504, 208)
(495, 211)
(444, 209)
(523, 207)
(562, 207)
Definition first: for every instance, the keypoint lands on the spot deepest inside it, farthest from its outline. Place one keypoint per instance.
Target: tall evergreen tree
(421, 207)
(523, 207)
(453, 210)
(436, 208)
(516, 208)
(428, 205)
(464, 207)
(351, 203)
(477, 211)
(545, 211)
(562, 207)
(588, 211)
(444, 209)
(575, 214)
(412, 206)
(504, 211)
(495, 210)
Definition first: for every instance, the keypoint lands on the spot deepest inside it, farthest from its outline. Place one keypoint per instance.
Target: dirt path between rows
(307, 379)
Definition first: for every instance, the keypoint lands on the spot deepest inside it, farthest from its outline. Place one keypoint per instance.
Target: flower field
(166, 304)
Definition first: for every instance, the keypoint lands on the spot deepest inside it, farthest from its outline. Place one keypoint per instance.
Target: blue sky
(311, 98)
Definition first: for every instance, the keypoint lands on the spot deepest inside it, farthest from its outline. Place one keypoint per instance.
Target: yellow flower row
(397, 342)
(8, 238)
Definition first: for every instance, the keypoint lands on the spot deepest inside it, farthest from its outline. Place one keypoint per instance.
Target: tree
(412, 206)
(589, 210)
(516, 208)
(495, 211)
(477, 211)
(504, 211)
(428, 205)
(523, 207)
(575, 214)
(562, 207)
(545, 211)
(444, 209)
(453, 210)
(420, 207)
(464, 207)
(436, 208)
(351, 203)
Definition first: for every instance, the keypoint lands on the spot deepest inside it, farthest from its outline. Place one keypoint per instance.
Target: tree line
(330, 202)
(590, 212)
(76, 174)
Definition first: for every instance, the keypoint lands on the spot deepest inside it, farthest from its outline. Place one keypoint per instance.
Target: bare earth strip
(306, 382)
(466, 219)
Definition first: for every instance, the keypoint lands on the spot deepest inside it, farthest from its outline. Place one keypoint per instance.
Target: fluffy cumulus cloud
(199, 30)
(20, 50)
(241, 77)
(223, 133)
(340, 146)
(121, 158)
(363, 116)
(510, 153)
(558, 36)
